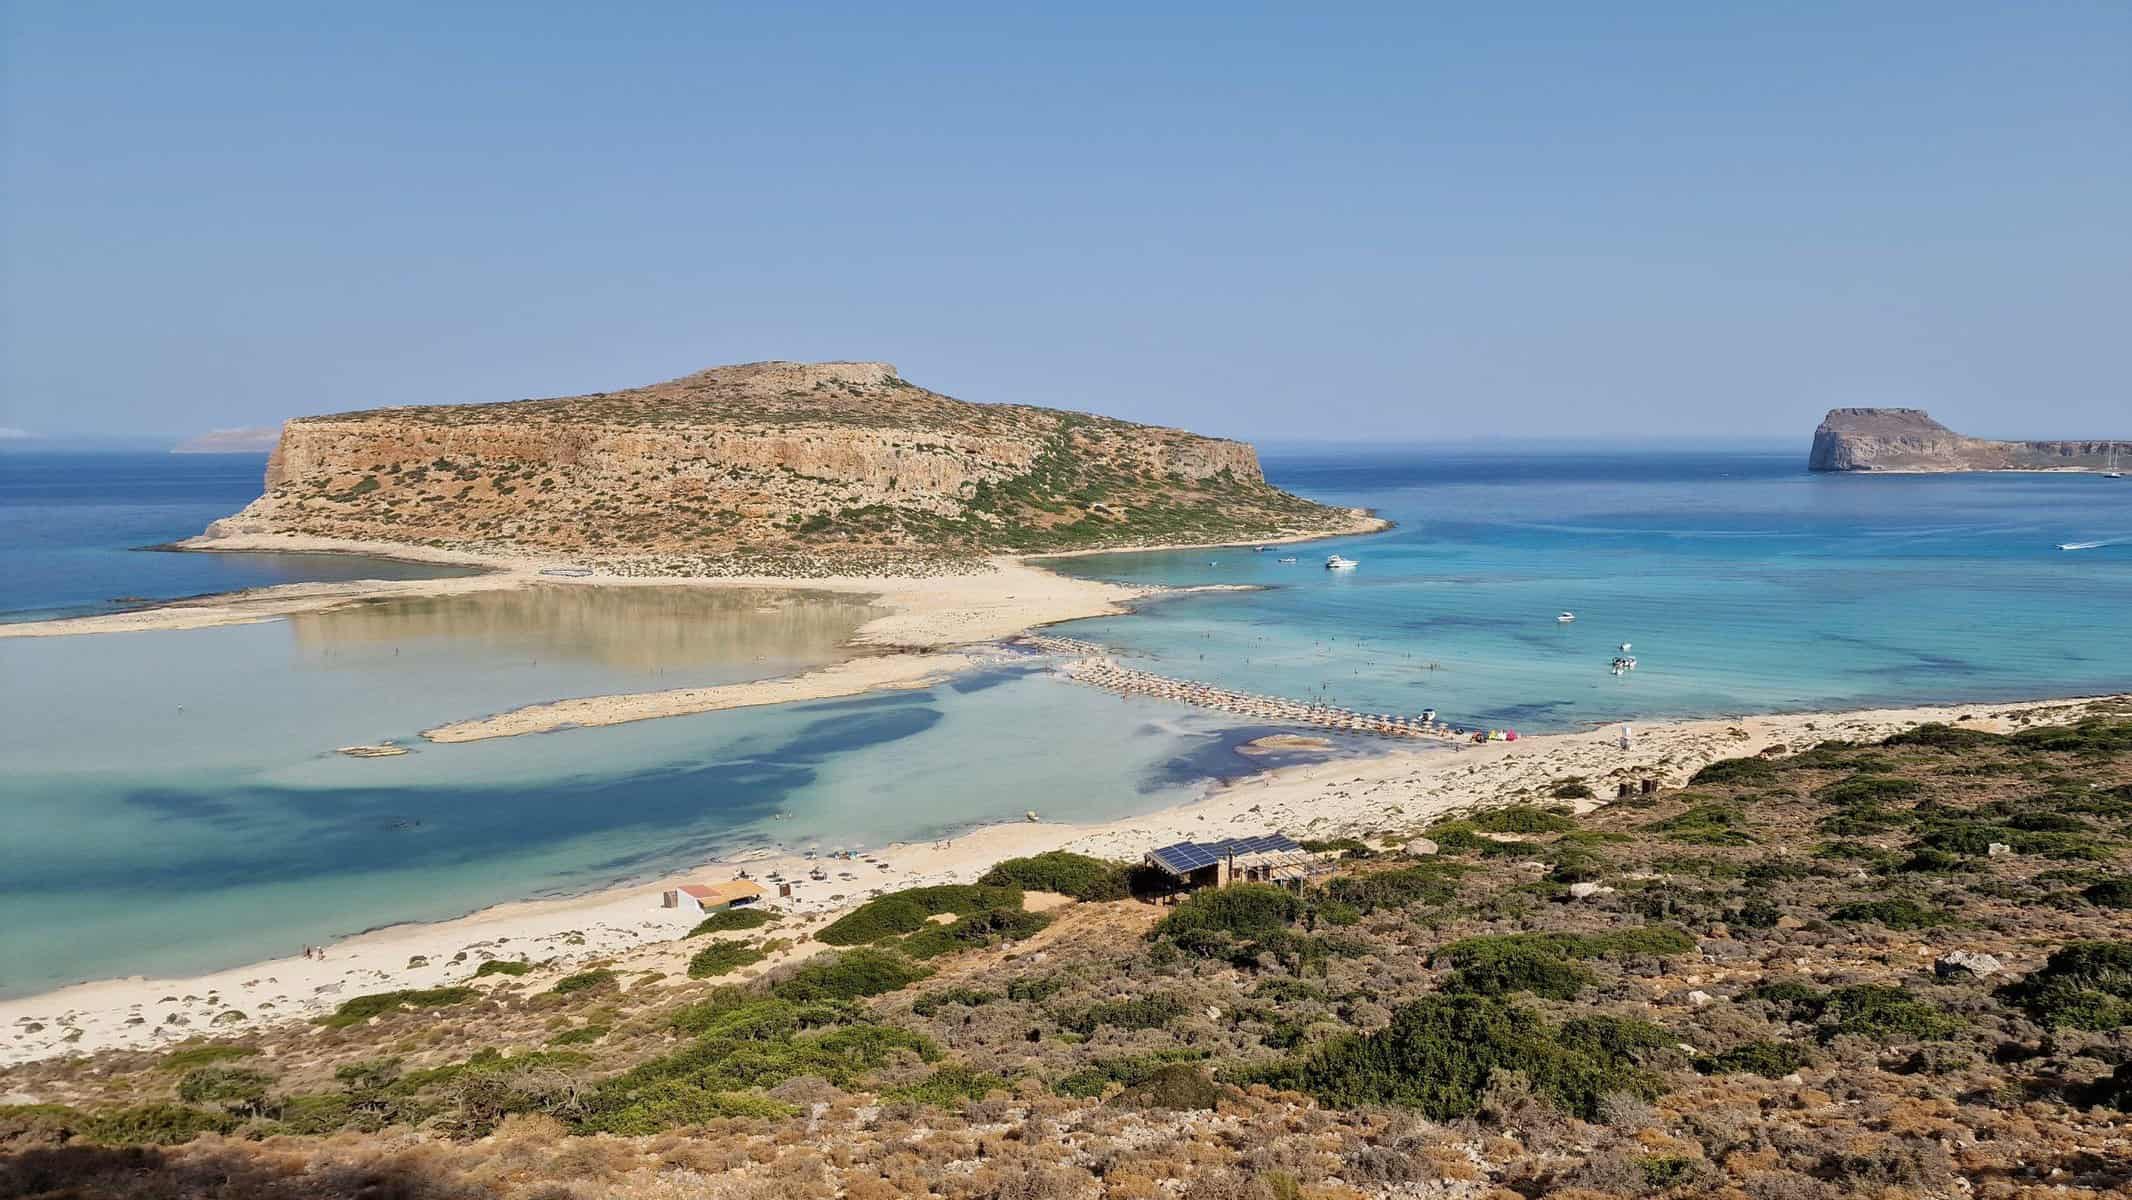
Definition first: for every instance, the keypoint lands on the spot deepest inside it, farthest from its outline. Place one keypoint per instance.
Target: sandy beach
(1397, 791)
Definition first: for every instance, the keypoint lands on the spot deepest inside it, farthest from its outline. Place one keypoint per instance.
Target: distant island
(1908, 439)
(249, 440)
(767, 463)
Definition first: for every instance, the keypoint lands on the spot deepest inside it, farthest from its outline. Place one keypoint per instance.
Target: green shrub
(1770, 1060)
(850, 975)
(1573, 788)
(1075, 875)
(1872, 790)
(597, 979)
(2109, 893)
(1439, 1053)
(2095, 737)
(1245, 910)
(1035, 989)
(154, 1125)
(185, 1058)
(361, 1008)
(1936, 736)
(236, 1089)
(732, 920)
(909, 910)
(1091, 1081)
(1735, 771)
(2111, 1091)
(983, 928)
(581, 1036)
(1542, 963)
(498, 966)
(1706, 825)
(314, 1115)
(968, 997)
(2084, 985)
(1522, 818)
(1884, 1014)
(1424, 883)
(950, 1084)
(723, 958)
(1139, 1012)
(1177, 1087)
(1894, 914)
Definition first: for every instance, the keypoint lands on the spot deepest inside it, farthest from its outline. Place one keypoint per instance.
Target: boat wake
(2092, 545)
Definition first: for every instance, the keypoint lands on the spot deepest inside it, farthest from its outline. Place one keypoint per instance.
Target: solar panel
(1184, 857)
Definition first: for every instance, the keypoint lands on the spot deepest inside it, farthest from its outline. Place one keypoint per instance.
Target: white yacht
(1565, 618)
(1337, 563)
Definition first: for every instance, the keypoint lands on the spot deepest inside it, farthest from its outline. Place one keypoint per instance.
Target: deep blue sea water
(198, 766)
(74, 528)
(1743, 582)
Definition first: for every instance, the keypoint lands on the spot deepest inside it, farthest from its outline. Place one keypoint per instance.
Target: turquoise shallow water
(195, 769)
(1743, 582)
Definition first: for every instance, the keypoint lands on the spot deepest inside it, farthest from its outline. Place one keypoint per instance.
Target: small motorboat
(1289, 561)
(1337, 563)
(1566, 617)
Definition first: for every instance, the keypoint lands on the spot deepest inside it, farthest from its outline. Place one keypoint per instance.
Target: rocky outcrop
(842, 459)
(1908, 439)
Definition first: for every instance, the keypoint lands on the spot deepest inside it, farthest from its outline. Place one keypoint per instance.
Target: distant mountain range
(250, 440)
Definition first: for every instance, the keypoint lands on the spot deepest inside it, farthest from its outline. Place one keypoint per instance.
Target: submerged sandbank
(1347, 797)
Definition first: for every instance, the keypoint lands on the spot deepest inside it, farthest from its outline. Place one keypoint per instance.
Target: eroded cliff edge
(1908, 439)
(765, 465)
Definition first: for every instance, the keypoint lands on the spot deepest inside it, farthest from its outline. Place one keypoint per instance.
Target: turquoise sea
(171, 802)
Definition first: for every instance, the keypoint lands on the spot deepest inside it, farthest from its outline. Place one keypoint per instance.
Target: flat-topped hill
(1908, 439)
(838, 461)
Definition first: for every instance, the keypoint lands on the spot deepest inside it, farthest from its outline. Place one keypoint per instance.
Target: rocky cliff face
(1907, 439)
(763, 460)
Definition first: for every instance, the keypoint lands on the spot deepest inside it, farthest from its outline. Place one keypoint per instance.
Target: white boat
(1337, 563)
(2109, 470)
(1290, 560)
(1565, 618)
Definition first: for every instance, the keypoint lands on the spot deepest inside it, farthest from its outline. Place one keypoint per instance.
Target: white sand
(1395, 791)
(848, 678)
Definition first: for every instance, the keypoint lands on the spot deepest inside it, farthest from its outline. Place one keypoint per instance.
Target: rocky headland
(781, 466)
(1908, 439)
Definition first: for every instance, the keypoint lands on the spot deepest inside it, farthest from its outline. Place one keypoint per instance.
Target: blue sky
(1398, 221)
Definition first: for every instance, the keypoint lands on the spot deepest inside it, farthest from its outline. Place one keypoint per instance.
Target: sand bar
(1399, 790)
(848, 678)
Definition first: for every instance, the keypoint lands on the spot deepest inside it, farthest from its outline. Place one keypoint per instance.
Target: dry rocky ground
(1892, 969)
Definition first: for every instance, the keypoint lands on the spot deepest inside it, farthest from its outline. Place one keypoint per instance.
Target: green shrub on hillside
(1884, 1015)
(234, 1088)
(1245, 910)
(1139, 1012)
(1075, 875)
(153, 1125)
(2084, 985)
(909, 910)
(1735, 771)
(732, 920)
(185, 1058)
(1894, 914)
(983, 928)
(2109, 893)
(499, 966)
(1543, 963)
(1870, 790)
(1423, 883)
(1936, 736)
(1706, 825)
(1522, 818)
(358, 1009)
(723, 958)
(597, 979)
(850, 975)
(1770, 1060)
(1439, 1054)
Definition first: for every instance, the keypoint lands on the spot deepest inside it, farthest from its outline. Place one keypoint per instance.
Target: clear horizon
(1668, 222)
